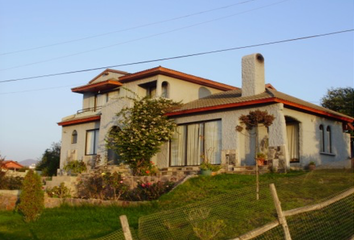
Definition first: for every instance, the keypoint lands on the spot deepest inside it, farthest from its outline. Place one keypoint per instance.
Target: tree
(50, 160)
(31, 197)
(340, 100)
(252, 120)
(142, 130)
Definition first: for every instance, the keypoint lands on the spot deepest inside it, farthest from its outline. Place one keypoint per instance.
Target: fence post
(125, 227)
(281, 218)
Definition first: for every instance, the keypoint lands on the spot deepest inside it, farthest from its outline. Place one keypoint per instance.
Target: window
(150, 88)
(329, 140)
(203, 92)
(91, 142)
(74, 137)
(112, 156)
(322, 142)
(191, 141)
(164, 88)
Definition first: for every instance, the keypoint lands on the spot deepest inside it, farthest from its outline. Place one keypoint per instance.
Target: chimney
(253, 81)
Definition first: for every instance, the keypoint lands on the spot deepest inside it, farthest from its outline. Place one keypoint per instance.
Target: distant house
(11, 165)
(208, 122)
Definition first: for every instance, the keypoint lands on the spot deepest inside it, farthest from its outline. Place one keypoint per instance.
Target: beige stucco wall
(117, 101)
(310, 140)
(67, 147)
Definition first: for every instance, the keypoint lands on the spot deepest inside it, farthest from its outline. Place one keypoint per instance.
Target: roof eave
(79, 121)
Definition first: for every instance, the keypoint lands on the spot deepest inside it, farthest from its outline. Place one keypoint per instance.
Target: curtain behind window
(178, 146)
(292, 132)
(194, 144)
(212, 141)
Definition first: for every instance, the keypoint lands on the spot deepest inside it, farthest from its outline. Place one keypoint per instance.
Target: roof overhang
(79, 121)
(98, 87)
(175, 74)
(260, 102)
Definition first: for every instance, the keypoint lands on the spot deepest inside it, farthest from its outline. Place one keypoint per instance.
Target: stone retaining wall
(10, 198)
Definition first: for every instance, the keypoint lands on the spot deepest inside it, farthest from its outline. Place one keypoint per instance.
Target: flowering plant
(143, 129)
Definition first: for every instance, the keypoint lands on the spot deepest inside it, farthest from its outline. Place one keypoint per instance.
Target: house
(11, 165)
(209, 121)
(84, 133)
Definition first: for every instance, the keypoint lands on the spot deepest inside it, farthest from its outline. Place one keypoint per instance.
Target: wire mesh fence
(233, 215)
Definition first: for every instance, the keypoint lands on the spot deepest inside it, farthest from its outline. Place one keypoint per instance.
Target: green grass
(295, 189)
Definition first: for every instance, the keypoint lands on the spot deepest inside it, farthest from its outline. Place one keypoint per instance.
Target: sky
(40, 37)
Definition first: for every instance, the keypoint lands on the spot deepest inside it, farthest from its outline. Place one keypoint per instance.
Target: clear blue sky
(132, 31)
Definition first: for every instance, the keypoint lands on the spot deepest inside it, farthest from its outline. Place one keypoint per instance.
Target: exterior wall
(310, 141)
(77, 151)
(239, 143)
(116, 102)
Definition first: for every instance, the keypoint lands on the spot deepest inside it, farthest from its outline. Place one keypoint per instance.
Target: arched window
(74, 137)
(322, 139)
(164, 88)
(203, 92)
(329, 139)
(112, 156)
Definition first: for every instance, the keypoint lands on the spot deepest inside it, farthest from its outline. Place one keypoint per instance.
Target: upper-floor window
(74, 137)
(203, 92)
(91, 142)
(165, 90)
(150, 88)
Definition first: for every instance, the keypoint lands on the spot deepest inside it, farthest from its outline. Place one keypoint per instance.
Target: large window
(322, 139)
(91, 142)
(329, 139)
(193, 141)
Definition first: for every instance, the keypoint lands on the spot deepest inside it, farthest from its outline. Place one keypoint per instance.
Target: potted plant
(312, 166)
(260, 158)
(207, 169)
(74, 167)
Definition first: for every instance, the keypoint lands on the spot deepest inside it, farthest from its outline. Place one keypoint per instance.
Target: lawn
(295, 189)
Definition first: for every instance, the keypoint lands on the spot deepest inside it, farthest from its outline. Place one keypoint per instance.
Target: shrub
(59, 192)
(32, 197)
(10, 183)
(75, 166)
(150, 191)
(102, 185)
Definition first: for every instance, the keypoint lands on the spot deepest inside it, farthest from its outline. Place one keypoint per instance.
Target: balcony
(91, 109)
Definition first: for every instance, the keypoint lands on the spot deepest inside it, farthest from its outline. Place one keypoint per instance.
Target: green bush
(75, 166)
(59, 192)
(32, 197)
(150, 191)
(10, 183)
(102, 185)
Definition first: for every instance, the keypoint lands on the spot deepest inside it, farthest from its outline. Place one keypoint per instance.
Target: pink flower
(143, 185)
(121, 181)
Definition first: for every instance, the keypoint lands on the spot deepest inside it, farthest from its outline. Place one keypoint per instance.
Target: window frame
(203, 149)
(74, 137)
(95, 142)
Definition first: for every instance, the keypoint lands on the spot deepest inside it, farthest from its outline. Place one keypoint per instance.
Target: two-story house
(209, 121)
(84, 133)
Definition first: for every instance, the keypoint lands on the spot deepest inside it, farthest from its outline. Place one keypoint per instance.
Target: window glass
(74, 137)
(322, 143)
(91, 142)
(192, 141)
(329, 140)
(164, 90)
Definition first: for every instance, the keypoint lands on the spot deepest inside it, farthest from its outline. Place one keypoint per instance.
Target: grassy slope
(295, 189)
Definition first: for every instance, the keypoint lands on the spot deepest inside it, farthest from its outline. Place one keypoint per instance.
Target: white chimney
(253, 81)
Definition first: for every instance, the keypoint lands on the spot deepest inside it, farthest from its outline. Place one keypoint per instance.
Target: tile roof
(233, 99)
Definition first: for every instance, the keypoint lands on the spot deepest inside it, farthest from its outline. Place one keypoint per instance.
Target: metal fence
(239, 216)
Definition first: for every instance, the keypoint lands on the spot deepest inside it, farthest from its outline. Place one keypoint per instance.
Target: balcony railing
(91, 109)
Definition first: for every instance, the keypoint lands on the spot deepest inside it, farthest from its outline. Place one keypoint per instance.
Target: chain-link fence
(235, 215)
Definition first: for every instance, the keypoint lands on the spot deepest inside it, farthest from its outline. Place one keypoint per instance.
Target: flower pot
(260, 162)
(206, 172)
(312, 167)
